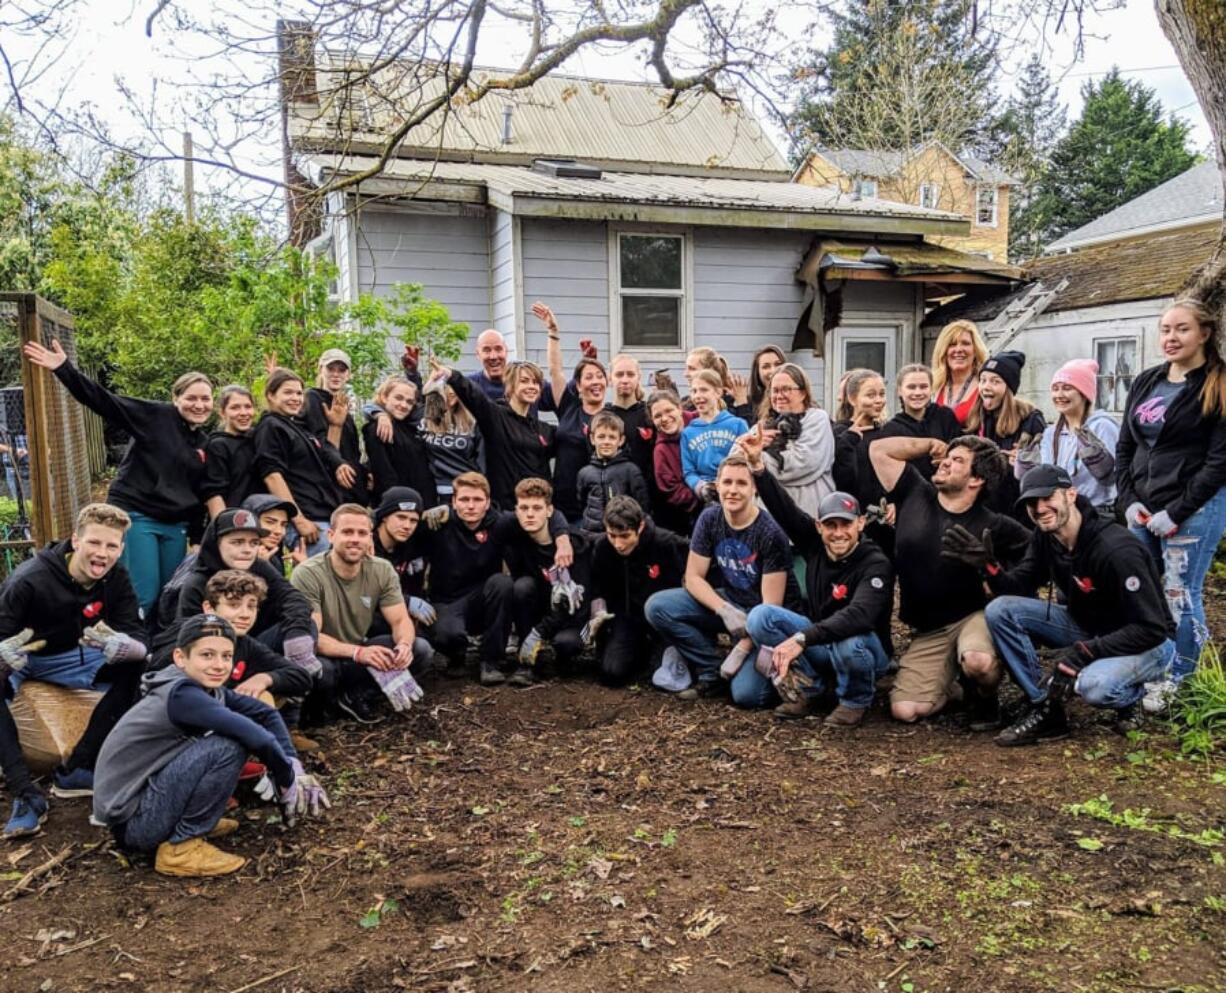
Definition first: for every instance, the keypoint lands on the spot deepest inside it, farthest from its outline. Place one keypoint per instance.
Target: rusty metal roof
(615, 124)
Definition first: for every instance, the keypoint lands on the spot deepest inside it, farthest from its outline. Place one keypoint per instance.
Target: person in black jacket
(518, 444)
(405, 460)
(630, 406)
(861, 420)
(1111, 621)
(229, 453)
(1170, 467)
(69, 616)
(610, 473)
(918, 416)
(327, 415)
(1013, 424)
(295, 465)
(849, 583)
(632, 560)
(159, 478)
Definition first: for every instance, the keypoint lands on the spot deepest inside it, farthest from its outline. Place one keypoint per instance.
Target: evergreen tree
(897, 73)
(1118, 149)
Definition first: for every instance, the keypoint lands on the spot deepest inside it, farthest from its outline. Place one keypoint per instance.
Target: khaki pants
(933, 662)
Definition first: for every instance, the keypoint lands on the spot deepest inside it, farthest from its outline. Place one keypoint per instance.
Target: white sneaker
(1159, 695)
(673, 675)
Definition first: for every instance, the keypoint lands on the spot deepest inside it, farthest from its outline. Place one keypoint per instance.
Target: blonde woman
(957, 357)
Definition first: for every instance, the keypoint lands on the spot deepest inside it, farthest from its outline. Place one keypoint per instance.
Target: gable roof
(882, 163)
(1192, 197)
(622, 125)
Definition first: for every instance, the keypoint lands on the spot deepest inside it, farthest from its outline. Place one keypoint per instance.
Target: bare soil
(570, 837)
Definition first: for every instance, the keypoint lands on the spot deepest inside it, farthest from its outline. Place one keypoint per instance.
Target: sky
(106, 48)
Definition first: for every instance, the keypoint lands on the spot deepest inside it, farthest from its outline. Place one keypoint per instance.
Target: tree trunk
(1197, 31)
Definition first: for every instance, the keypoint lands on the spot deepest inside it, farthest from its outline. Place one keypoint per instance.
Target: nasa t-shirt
(1150, 413)
(740, 558)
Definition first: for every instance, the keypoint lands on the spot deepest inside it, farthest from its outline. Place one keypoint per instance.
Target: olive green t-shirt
(347, 606)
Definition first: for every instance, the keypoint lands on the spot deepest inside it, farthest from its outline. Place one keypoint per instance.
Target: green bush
(1200, 709)
(8, 511)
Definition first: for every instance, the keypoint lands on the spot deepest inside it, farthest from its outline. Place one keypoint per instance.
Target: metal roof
(696, 199)
(617, 124)
(1192, 197)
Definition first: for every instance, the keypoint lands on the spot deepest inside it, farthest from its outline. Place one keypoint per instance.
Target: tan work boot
(225, 826)
(195, 857)
(794, 708)
(845, 717)
(302, 744)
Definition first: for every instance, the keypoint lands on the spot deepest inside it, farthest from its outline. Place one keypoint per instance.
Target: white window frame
(685, 294)
(981, 189)
(869, 329)
(929, 196)
(866, 187)
(1115, 339)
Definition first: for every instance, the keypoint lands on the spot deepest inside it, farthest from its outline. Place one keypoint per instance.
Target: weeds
(1102, 809)
(1200, 711)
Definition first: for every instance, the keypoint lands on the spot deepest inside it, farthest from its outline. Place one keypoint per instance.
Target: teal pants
(152, 551)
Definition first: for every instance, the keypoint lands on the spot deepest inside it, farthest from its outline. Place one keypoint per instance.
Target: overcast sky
(108, 45)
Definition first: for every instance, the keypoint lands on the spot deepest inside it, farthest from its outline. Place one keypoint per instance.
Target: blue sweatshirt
(705, 444)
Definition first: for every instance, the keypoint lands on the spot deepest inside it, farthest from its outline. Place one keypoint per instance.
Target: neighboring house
(930, 175)
(1114, 276)
(648, 228)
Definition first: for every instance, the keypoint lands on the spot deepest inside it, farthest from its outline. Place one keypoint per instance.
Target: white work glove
(305, 795)
(115, 646)
(399, 686)
(436, 517)
(734, 619)
(599, 617)
(422, 611)
(1137, 515)
(566, 592)
(1160, 524)
(16, 649)
(300, 650)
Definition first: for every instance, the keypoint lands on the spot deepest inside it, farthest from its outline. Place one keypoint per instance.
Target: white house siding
(502, 275)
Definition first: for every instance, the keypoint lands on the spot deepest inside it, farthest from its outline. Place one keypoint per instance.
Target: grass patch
(1200, 710)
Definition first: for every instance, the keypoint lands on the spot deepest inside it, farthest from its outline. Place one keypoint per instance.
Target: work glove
(1137, 515)
(599, 617)
(422, 611)
(1094, 455)
(305, 795)
(958, 543)
(410, 358)
(792, 687)
(16, 649)
(436, 517)
(400, 688)
(733, 661)
(1069, 664)
(1027, 454)
(588, 348)
(733, 619)
(1160, 524)
(707, 493)
(877, 512)
(300, 651)
(566, 593)
(115, 646)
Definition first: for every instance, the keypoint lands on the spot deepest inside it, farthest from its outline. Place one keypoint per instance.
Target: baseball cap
(264, 503)
(203, 626)
(237, 519)
(1042, 481)
(335, 355)
(397, 498)
(838, 505)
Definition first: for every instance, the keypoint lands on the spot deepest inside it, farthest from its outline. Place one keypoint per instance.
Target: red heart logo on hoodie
(645, 433)
(839, 592)
(200, 455)
(236, 674)
(653, 571)
(481, 537)
(541, 438)
(92, 610)
(1085, 585)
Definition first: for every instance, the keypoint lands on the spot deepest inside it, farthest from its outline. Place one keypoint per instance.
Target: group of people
(736, 541)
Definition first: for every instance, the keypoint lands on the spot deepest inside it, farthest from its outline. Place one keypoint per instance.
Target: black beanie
(398, 498)
(1008, 366)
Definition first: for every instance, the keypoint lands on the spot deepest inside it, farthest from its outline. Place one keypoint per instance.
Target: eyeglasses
(782, 391)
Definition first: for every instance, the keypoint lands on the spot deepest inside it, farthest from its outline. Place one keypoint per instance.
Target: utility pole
(189, 180)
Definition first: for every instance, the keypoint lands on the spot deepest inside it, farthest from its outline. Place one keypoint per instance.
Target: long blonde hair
(1213, 391)
(709, 358)
(1013, 410)
(949, 334)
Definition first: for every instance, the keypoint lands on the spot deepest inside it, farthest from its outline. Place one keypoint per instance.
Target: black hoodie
(1109, 582)
(308, 466)
(161, 471)
(640, 438)
(1003, 499)
(316, 422)
(251, 656)
(1187, 464)
(229, 470)
(405, 461)
(625, 582)
(850, 596)
(601, 479)
(938, 422)
(283, 605)
(43, 596)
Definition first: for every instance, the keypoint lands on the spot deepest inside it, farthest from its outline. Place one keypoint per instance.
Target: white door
(865, 347)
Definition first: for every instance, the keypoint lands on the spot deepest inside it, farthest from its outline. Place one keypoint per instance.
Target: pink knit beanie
(1081, 375)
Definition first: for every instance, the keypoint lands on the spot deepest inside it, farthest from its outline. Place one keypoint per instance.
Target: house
(929, 175)
(1107, 284)
(650, 227)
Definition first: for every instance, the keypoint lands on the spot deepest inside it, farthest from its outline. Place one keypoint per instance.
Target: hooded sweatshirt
(937, 422)
(162, 468)
(640, 438)
(626, 582)
(1100, 424)
(173, 713)
(676, 506)
(316, 422)
(805, 464)
(601, 479)
(229, 469)
(404, 461)
(705, 444)
(308, 466)
(43, 596)
(283, 605)
(251, 657)
(261, 503)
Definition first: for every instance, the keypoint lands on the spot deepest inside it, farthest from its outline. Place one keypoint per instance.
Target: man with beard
(1111, 623)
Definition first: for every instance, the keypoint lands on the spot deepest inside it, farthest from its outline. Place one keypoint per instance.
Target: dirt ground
(569, 838)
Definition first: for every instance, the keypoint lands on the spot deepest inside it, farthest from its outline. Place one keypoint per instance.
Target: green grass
(1200, 709)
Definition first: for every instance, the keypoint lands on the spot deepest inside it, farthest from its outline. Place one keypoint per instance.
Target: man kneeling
(166, 772)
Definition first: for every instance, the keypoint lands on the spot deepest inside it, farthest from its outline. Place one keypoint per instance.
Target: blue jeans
(686, 624)
(186, 797)
(75, 669)
(152, 550)
(1184, 559)
(322, 544)
(1018, 623)
(853, 665)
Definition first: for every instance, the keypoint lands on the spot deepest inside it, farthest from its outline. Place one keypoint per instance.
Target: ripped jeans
(1184, 559)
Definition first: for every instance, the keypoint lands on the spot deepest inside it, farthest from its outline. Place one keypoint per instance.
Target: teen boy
(168, 769)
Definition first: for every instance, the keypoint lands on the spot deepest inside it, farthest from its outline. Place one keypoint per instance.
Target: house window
(928, 195)
(866, 187)
(650, 285)
(985, 206)
(1117, 364)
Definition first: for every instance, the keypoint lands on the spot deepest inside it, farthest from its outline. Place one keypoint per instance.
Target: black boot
(982, 712)
(1043, 722)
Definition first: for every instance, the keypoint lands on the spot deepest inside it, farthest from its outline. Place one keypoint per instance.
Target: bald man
(492, 351)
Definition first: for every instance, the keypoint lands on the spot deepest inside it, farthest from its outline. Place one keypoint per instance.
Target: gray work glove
(436, 517)
(877, 512)
(1161, 525)
(115, 646)
(1094, 454)
(16, 649)
(300, 651)
(1027, 454)
(566, 593)
(399, 686)
(733, 618)
(733, 661)
(305, 795)
(422, 611)
(599, 617)
(1137, 515)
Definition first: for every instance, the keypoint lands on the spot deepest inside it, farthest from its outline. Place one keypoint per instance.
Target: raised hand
(411, 358)
(48, 358)
(338, 410)
(545, 315)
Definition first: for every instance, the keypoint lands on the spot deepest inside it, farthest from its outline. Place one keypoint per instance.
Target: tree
(1119, 148)
(898, 73)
